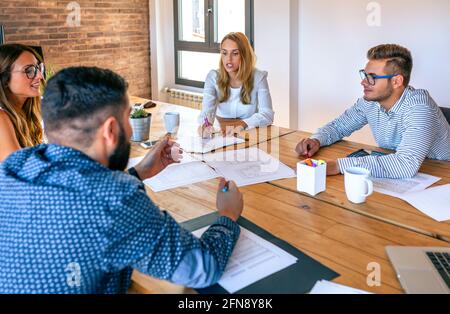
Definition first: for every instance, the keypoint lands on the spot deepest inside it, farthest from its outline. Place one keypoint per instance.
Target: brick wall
(111, 34)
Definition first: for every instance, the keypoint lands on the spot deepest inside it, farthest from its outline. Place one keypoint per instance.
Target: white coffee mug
(172, 122)
(358, 186)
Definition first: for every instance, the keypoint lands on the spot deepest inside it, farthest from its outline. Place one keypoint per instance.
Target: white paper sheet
(248, 166)
(196, 144)
(327, 287)
(398, 188)
(187, 158)
(188, 171)
(180, 175)
(253, 259)
(433, 202)
(133, 162)
(245, 167)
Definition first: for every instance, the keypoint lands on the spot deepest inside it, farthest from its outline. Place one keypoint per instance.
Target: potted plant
(140, 124)
(49, 72)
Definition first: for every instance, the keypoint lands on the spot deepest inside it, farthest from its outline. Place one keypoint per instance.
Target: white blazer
(256, 114)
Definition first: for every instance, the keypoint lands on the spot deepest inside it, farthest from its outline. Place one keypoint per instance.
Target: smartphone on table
(147, 105)
(148, 144)
(363, 153)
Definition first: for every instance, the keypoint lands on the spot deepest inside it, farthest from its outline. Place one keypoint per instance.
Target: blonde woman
(21, 76)
(238, 93)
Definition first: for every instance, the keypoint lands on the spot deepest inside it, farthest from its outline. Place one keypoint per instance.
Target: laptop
(421, 270)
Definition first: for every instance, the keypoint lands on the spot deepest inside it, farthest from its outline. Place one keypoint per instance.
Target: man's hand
(308, 147)
(333, 168)
(164, 153)
(230, 203)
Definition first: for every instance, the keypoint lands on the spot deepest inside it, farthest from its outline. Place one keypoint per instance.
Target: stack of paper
(196, 144)
(398, 188)
(253, 259)
(248, 166)
(434, 202)
(327, 287)
(188, 171)
(245, 167)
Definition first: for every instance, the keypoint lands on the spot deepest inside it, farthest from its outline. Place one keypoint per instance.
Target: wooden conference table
(345, 237)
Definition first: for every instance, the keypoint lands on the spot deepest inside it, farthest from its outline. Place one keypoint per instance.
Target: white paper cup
(172, 122)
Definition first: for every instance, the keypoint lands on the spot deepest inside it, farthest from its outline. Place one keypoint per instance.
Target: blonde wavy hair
(26, 122)
(246, 70)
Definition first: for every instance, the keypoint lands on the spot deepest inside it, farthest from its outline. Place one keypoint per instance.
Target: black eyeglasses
(31, 70)
(371, 77)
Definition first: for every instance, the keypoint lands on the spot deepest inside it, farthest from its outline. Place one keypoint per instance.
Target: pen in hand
(225, 188)
(206, 122)
(206, 125)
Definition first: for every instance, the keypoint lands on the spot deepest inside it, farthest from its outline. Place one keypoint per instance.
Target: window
(2, 35)
(200, 26)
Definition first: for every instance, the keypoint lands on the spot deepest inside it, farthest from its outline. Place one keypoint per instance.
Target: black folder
(295, 279)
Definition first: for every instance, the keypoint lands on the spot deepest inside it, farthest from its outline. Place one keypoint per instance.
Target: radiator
(184, 98)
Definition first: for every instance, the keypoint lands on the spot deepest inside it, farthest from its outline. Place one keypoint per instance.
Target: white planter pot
(141, 129)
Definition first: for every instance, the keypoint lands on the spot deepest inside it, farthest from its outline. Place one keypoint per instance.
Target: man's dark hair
(399, 60)
(79, 99)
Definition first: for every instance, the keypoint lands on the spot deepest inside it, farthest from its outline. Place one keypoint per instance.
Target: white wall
(272, 46)
(334, 39)
(273, 49)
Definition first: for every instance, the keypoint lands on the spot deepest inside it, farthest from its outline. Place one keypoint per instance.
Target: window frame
(2, 34)
(209, 46)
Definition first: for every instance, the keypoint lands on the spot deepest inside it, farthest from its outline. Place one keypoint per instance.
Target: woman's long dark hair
(27, 124)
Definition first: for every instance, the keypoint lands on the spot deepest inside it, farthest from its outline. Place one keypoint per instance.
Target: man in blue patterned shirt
(402, 119)
(71, 221)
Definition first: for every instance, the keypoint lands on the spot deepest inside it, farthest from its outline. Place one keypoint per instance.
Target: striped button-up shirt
(415, 128)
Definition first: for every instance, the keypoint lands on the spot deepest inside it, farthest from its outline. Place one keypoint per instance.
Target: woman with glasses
(21, 77)
(237, 94)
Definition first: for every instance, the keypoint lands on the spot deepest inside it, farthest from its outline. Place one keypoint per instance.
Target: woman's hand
(229, 127)
(205, 132)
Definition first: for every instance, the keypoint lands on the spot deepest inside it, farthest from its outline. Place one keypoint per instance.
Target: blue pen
(225, 188)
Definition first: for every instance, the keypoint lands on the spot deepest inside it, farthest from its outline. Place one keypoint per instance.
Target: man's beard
(382, 97)
(119, 158)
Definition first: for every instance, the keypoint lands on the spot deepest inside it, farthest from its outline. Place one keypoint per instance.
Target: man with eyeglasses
(72, 221)
(402, 119)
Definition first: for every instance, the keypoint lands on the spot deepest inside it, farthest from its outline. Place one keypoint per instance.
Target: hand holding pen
(206, 130)
(230, 201)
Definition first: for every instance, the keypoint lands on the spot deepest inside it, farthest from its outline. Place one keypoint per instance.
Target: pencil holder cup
(311, 176)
